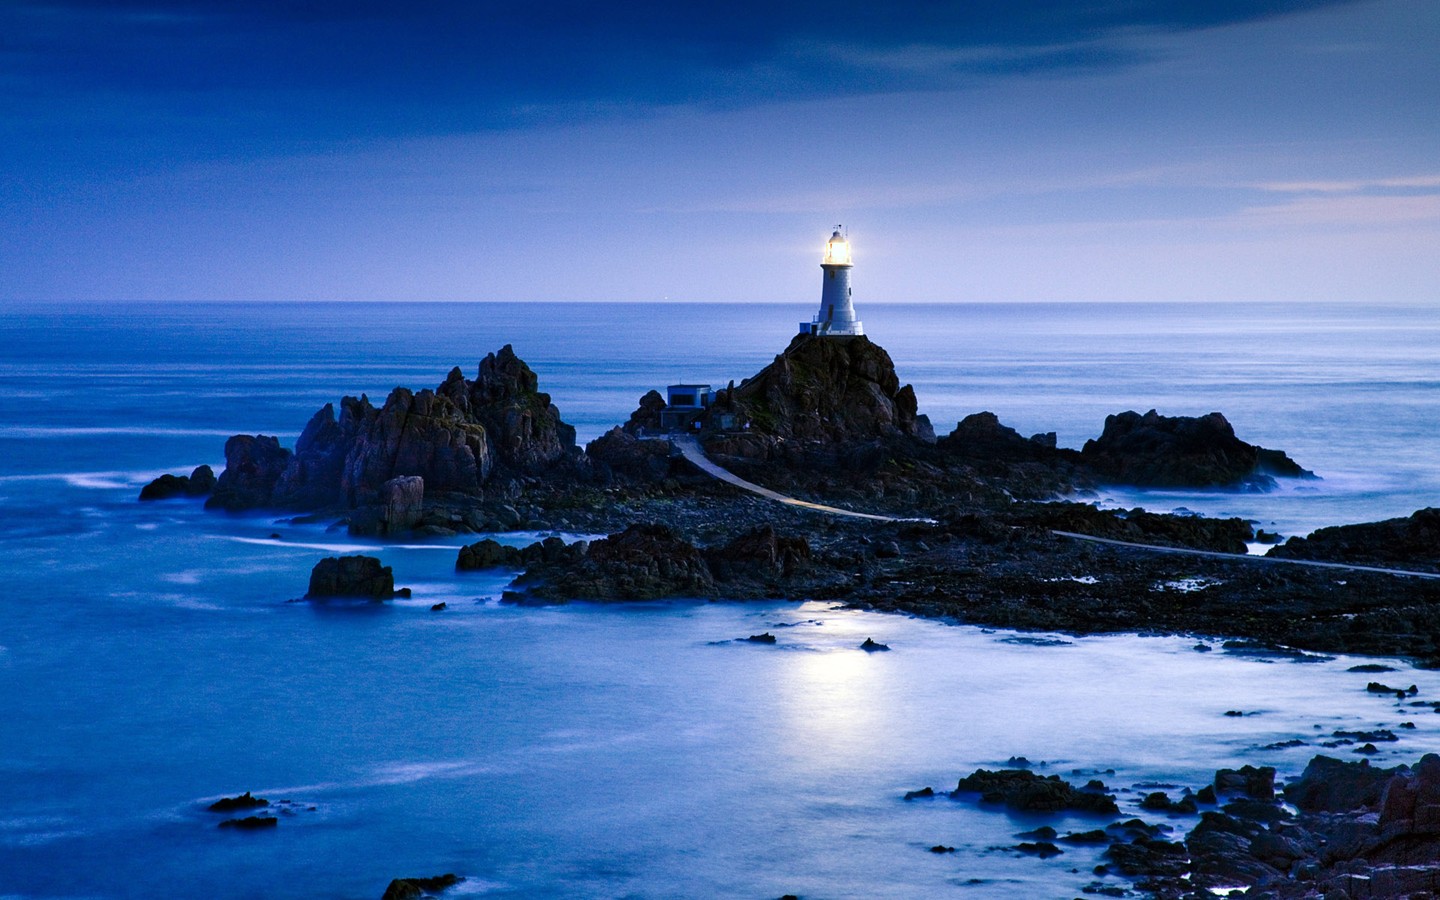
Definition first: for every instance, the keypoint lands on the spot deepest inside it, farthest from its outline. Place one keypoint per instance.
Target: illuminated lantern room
(837, 313)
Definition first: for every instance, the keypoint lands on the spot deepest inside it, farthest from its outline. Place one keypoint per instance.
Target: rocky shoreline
(995, 536)
(828, 421)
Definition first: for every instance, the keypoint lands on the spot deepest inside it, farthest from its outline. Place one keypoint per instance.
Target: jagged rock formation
(1410, 542)
(1183, 451)
(453, 438)
(253, 465)
(198, 483)
(829, 391)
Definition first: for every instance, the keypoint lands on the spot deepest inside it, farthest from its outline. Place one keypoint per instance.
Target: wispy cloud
(1415, 182)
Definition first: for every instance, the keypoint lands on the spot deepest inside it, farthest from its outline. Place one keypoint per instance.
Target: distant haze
(1277, 150)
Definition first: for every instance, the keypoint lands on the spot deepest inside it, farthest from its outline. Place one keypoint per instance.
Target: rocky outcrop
(253, 466)
(982, 435)
(647, 415)
(1183, 452)
(650, 562)
(1024, 790)
(525, 428)
(401, 502)
(829, 391)
(352, 577)
(1135, 525)
(198, 483)
(453, 438)
(1410, 542)
(618, 452)
(491, 554)
(415, 888)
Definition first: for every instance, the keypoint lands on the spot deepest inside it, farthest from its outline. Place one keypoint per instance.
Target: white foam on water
(276, 542)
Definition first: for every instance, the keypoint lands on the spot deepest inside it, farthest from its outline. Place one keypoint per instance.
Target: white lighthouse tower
(837, 313)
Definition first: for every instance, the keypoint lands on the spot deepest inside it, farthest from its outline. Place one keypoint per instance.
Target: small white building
(837, 312)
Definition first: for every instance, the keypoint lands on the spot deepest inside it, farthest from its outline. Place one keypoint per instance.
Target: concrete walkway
(689, 447)
(1270, 560)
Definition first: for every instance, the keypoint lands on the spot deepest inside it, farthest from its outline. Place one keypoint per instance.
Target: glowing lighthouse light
(837, 314)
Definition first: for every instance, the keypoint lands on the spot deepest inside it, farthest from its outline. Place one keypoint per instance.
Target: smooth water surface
(149, 661)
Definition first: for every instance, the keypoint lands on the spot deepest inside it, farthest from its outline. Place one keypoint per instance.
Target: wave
(48, 431)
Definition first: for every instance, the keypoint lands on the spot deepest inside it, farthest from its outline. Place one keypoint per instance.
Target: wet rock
(243, 801)
(1374, 668)
(1042, 849)
(643, 562)
(1332, 785)
(251, 823)
(766, 638)
(1252, 781)
(1024, 790)
(1182, 451)
(1149, 857)
(941, 848)
(872, 646)
(1161, 802)
(439, 607)
(1095, 836)
(1376, 687)
(923, 793)
(414, 888)
(198, 483)
(361, 577)
(487, 554)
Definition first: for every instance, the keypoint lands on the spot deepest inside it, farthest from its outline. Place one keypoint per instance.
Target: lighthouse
(837, 314)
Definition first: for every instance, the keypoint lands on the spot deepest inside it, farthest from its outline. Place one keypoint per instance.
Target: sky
(975, 151)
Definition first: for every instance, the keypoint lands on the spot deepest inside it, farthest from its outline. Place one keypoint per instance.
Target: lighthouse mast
(837, 313)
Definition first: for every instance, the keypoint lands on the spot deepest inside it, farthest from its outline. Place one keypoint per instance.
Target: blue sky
(991, 150)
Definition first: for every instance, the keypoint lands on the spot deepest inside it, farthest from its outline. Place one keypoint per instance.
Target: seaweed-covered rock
(643, 562)
(1183, 451)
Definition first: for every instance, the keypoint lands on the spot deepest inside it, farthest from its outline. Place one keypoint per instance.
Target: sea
(151, 660)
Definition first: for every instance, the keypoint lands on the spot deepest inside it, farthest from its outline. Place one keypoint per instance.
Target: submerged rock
(873, 646)
(243, 801)
(251, 823)
(414, 888)
(361, 577)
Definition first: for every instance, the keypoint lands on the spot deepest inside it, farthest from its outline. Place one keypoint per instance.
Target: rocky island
(981, 525)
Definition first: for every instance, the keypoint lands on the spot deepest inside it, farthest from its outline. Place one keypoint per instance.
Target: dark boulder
(1332, 785)
(359, 577)
(198, 483)
(766, 638)
(253, 466)
(1252, 781)
(1182, 451)
(488, 554)
(1025, 790)
(873, 646)
(759, 552)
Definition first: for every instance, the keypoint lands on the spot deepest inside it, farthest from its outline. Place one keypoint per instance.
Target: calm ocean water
(148, 662)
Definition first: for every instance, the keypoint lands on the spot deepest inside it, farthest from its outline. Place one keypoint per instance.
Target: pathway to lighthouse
(689, 447)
